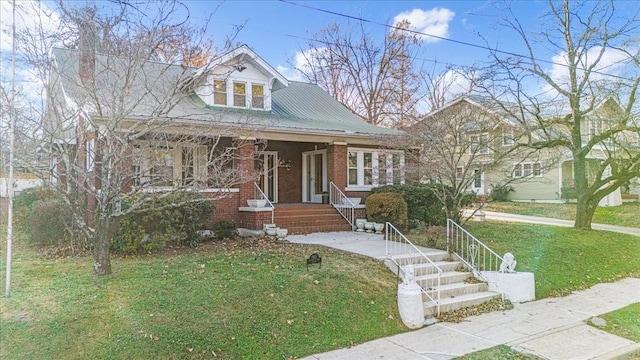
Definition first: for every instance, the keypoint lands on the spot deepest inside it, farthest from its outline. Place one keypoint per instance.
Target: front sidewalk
(552, 328)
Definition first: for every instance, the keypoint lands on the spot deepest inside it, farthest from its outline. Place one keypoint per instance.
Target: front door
(477, 185)
(314, 175)
(266, 165)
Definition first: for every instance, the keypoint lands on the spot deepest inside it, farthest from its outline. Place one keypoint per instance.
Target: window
(479, 144)
(527, 169)
(239, 94)
(367, 168)
(507, 137)
(353, 168)
(257, 96)
(90, 154)
(161, 166)
(219, 92)
(459, 172)
(477, 178)
(193, 165)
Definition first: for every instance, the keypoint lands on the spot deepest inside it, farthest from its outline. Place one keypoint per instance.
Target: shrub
(160, 221)
(501, 192)
(49, 222)
(391, 207)
(24, 202)
(225, 229)
(423, 206)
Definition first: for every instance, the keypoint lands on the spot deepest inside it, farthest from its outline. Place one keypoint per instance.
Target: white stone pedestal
(517, 287)
(410, 305)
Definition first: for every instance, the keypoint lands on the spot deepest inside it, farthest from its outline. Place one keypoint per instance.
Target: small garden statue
(508, 263)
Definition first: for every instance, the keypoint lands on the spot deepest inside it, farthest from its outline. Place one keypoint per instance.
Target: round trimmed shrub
(391, 207)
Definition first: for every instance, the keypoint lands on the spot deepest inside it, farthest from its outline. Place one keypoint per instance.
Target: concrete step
(433, 255)
(458, 302)
(455, 289)
(450, 277)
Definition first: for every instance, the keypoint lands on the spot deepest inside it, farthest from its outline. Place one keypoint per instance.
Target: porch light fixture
(285, 164)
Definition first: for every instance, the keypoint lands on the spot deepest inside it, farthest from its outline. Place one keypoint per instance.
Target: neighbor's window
(257, 96)
(507, 137)
(239, 94)
(219, 92)
(479, 143)
(459, 172)
(527, 169)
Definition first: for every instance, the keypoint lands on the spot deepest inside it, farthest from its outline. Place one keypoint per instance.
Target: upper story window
(219, 92)
(507, 137)
(239, 94)
(479, 144)
(257, 96)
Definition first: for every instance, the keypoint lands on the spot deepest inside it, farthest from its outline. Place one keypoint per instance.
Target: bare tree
(116, 127)
(586, 112)
(376, 81)
(458, 144)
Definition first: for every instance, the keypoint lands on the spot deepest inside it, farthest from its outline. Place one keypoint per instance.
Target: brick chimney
(87, 48)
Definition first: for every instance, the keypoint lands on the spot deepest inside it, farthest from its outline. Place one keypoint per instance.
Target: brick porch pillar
(337, 164)
(246, 156)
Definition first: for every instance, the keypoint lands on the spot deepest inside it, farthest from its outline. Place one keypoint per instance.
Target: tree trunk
(101, 251)
(585, 207)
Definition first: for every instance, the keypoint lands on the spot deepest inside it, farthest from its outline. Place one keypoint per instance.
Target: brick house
(300, 145)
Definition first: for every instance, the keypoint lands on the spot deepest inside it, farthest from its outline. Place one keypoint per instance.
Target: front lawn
(623, 322)
(562, 259)
(625, 215)
(501, 352)
(247, 299)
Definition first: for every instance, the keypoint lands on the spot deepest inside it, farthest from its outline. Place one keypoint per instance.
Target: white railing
(472, 252)
(403, 252)
(342, 203)
(260, 195)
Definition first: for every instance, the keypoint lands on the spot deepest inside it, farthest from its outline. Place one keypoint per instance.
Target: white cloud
(432, 22)
(29, 16)
(302, 62)
(611, 62)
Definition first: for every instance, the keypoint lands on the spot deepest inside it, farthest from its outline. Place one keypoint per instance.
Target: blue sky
(277, 30)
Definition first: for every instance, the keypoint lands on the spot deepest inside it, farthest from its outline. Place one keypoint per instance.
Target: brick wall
(337, 165)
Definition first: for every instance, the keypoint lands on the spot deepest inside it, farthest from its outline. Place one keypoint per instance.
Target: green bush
(423, 206)
(391, 207)
(49, 224)
(160, 221)
(501, 192)
(24, 201)
(225, 229)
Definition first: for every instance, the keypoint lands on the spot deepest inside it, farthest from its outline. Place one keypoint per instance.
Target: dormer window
(220, 92)
(239, 94)
(257, 96)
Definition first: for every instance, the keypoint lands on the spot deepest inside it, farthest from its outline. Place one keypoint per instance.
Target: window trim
(376, 154)
(519, 170)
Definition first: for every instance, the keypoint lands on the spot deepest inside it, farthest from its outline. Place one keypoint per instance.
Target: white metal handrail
(471, 251)
(342, 203)
(403, 252)
(260, 195)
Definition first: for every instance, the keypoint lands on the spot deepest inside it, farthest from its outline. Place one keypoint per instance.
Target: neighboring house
(485, 150)
(293, 136)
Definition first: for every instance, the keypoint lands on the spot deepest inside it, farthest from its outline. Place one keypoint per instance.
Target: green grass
(251, 301)
(625, 215)
(562, 259)
(624, 322)
(501, 352)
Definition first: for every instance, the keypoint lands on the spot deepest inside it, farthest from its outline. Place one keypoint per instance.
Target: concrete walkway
(490, 215)
(553, 328)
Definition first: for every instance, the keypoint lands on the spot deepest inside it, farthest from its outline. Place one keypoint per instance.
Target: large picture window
(370, 168)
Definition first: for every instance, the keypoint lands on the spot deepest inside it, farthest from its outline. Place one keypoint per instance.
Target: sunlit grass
(501, 352)
(256, 301)
(628, 214)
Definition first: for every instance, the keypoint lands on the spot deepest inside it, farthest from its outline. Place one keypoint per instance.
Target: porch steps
(455, 292)
(309, 218)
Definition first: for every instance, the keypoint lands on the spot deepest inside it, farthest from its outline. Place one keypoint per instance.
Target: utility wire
(483, 47)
